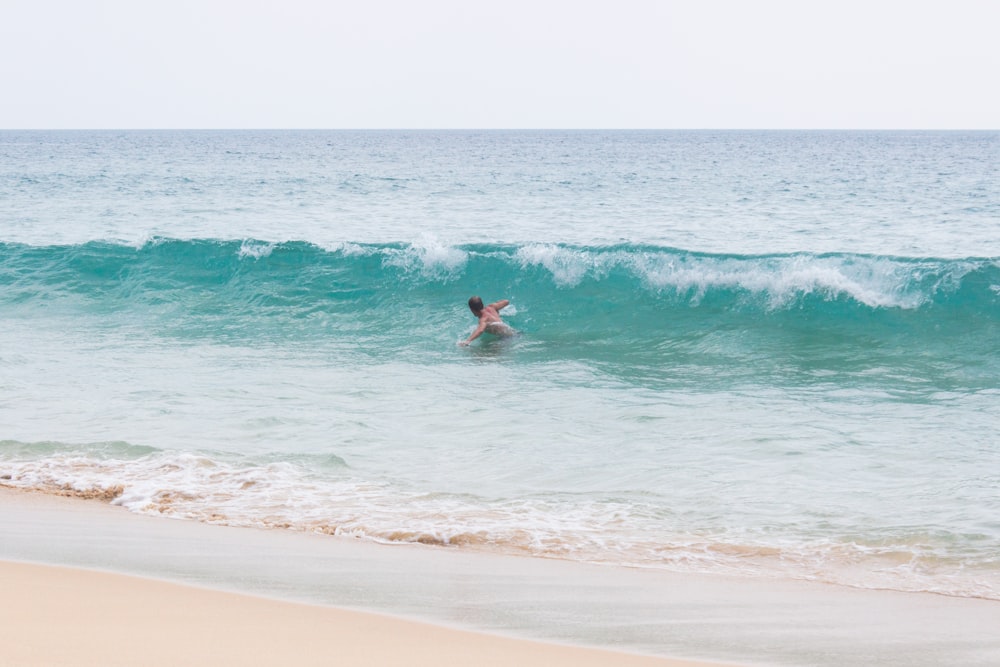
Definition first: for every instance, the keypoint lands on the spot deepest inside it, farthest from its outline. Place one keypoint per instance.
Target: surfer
(489, 319)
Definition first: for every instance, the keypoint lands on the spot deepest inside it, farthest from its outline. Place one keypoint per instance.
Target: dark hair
(475, 303)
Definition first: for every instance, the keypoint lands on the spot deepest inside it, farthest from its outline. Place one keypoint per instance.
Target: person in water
(489, 319)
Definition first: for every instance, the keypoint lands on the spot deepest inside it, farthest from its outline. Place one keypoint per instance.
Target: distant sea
(769, 354)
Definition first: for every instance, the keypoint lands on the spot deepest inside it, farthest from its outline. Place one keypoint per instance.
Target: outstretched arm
(502, 303)
(475, 334)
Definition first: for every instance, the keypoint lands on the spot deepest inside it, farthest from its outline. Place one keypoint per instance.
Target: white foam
(876, 282)
(145, 240)
(353, 249)
(437, 255)
(429, 256)
(621, 531)
(568, 267)
(256, 249)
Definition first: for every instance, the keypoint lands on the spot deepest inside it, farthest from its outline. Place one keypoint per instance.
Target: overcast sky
(511, 64)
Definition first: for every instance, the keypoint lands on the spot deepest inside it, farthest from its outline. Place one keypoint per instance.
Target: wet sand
(314, 599)
(65, 616)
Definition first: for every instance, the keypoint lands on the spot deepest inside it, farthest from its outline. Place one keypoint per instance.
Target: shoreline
(94, 608)
(69, 616)
(645, 615)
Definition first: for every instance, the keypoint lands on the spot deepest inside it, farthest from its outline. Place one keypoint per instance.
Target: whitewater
(759, 353)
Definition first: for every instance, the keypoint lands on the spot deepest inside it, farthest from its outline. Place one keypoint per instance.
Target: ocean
(762, 354)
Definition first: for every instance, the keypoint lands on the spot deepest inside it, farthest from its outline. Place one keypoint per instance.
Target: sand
(346, 602)
(66, 616)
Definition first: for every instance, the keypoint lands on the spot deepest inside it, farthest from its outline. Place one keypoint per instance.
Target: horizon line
(498, 129)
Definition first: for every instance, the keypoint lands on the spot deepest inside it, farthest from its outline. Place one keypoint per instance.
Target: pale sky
(513, 64)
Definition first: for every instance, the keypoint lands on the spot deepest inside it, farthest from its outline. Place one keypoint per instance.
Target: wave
(301, 270)
(322, 494)
(635, 306)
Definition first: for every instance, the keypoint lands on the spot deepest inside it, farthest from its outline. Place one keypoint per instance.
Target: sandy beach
(88, 583)
(59, 615)
(65, 616)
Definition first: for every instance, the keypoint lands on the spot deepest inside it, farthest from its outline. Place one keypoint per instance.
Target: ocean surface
(771, 354)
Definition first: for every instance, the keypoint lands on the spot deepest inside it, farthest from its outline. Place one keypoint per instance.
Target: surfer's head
(475, 304)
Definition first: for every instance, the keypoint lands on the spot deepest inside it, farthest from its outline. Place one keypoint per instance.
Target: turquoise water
(771, 354)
